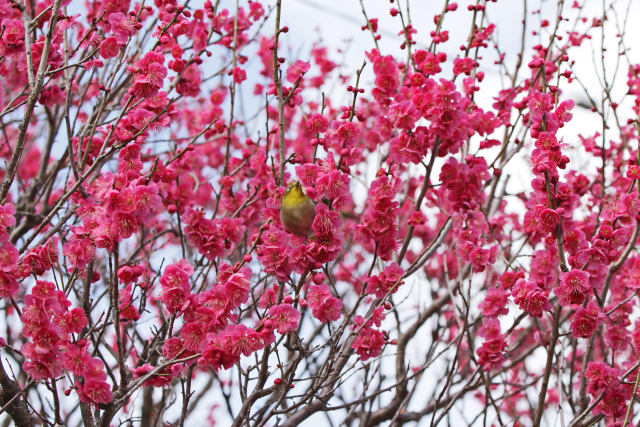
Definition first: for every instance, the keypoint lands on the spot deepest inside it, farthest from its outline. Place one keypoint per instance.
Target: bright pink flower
(217, 353)
(307, 174)
(481, 257)
(539, 103)
(256, 10)
(615, 400)
(8, 254)
(324, 306)
(237, 287)
(495, 302)
(239, 75)
(190, 81)
(285, 318)
(203, 234)
(629, 205)
(403, 115)
(463, 65)
(193, 335)
(328, 236)
(12, 36)
(574, 287)
(268, 298)
(8, 285)
(601, 376)
(378, 316)
(617, 337)
(386, 72)
(123, 26)
(315, 123)
(562, 113)
(243, 340)
(428, 62)
(593, 261)
(547, 142)
(332, 184)
(79, 249)
(387, 282)
(544, 268)
(161, 378)
(175, 285)
(272, 253)
(491, 354)
(95, 369)
(297, 70)
(123, 225)
(50, 96)
(547, 220)
(73, 321)
(130, 274)
(509, 278)
(368, 343)
(93, 64)
(109, 47)
(39, 370)
(149, 74)
(490, 329)
(463, 183)
(126, 306)
(416, 218)
(530, 298)
(410, 147)
(380, 217)
(48, 298)
(48, 323)
(94, 391)
(172, 347)
(76, 357)
(586, 320)
(305, 257)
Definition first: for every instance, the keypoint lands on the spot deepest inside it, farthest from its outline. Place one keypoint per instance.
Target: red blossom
(297, 70)
(368, 343)
(324, 306)
(574, 287)
(586, 320)
(530, 298)
(109, 47)
(495, 302)
(122, 26)
(285, 318)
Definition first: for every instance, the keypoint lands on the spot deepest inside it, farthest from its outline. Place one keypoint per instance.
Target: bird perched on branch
(297, 210)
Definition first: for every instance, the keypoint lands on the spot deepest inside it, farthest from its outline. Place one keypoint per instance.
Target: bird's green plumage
(297, 210)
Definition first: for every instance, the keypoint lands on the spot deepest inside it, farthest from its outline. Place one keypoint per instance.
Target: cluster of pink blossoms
(50, 325)
(369, 340)
(604, 382)
(209, 316)
(324, 306)
(212, 238)
(378, 230)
